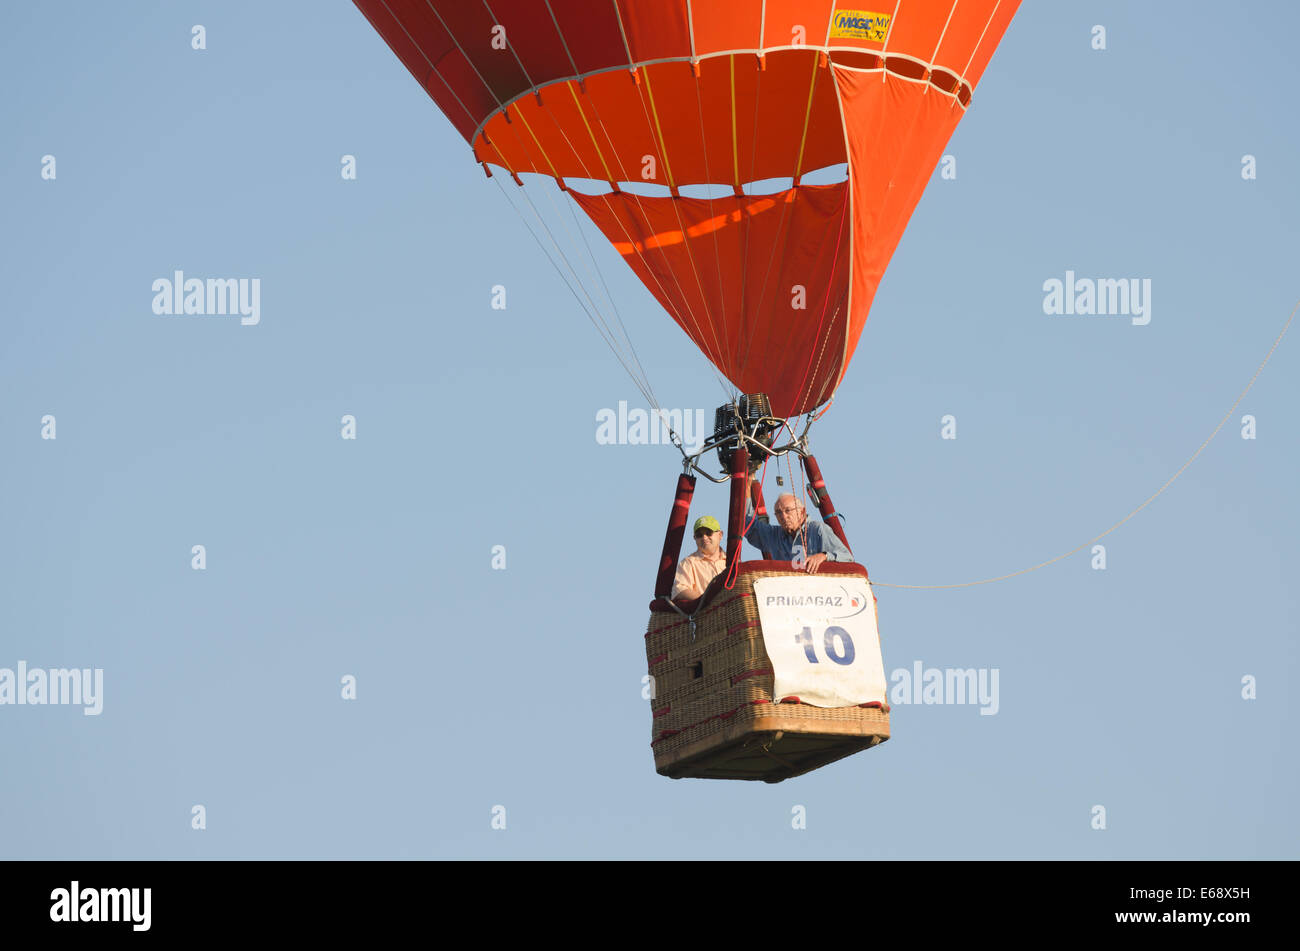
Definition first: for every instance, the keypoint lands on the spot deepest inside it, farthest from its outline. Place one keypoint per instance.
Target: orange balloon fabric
(758, 282)
(773, 288)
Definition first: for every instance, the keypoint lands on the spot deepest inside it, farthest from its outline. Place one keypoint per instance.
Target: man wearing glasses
(797, 539)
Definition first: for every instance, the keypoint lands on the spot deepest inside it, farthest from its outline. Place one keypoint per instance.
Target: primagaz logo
(842, 605)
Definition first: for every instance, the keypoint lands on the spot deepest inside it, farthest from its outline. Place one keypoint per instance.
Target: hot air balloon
(773, 286)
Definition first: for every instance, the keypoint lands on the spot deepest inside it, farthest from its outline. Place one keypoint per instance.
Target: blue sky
(476, 427)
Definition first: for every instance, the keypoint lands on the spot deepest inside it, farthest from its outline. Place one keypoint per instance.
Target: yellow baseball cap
(706, 521)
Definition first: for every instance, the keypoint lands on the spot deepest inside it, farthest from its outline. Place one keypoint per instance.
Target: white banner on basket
(821, 636)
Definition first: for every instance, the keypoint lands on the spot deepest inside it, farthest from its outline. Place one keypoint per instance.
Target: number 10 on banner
(836, 644)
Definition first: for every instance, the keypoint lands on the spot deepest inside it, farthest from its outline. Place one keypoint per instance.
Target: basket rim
(718, 584)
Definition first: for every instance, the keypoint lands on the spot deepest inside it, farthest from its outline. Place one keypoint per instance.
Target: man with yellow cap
(704, 564)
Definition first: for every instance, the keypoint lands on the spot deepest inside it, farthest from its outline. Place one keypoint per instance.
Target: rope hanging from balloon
(594, 312)
(1226, 416)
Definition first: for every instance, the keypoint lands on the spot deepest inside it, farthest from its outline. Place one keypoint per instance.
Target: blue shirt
(820, 539)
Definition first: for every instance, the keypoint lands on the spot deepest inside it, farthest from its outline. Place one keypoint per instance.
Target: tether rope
(1226, 416)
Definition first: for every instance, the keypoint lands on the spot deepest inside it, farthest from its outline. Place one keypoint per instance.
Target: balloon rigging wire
(594, 319)
(648, 390)
(597, 322)
(645, 389)
(1226, 416)
(643, 384)
(626, 339)
(631, 241)
(613, 306)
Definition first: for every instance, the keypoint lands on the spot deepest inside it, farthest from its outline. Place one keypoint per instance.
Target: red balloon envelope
(773, 288)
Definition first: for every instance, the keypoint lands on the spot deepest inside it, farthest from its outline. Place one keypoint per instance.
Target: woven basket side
(711, 681)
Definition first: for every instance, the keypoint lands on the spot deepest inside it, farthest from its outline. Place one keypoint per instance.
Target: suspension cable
(1226, 416)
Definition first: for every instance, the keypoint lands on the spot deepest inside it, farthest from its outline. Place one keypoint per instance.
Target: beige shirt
(695, 572)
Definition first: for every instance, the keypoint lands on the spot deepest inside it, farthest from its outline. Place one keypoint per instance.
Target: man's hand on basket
(813, 563)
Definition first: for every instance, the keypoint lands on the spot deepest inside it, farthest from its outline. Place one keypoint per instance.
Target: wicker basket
(713, 714)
